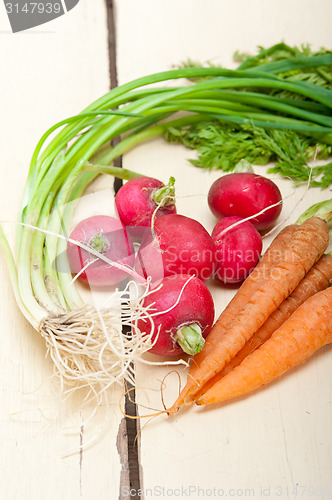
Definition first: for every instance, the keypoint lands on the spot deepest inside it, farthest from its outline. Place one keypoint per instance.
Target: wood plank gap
(131, 476)
(111, 26)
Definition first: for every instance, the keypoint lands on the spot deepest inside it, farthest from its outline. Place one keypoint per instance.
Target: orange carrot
(262, 271)
(307, 245)
(306, 331)
(318, 278)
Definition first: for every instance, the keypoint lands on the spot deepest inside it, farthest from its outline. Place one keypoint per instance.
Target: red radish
(182, 311)
(237, 250)
(137, 200)
(180, 245)
(107, 236)
(245, 194)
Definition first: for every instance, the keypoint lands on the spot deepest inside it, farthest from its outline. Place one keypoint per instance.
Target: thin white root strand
(235, 224)
(160, 204)
(123, 267)
(285, 219)
(89, 349)
(75, 278)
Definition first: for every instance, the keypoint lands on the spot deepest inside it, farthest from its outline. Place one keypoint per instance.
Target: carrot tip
(171, 412)
(188, 401)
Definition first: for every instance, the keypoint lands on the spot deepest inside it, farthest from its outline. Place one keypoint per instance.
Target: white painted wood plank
(280, 436)
(47, 74)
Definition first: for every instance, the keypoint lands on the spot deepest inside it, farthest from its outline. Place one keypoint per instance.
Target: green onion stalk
(322, 209)
(71, 154)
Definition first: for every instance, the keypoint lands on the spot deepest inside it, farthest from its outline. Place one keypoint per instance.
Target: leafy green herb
(222, 146)
(222, 143)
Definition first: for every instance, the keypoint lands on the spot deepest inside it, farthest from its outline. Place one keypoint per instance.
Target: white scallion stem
(14, 280)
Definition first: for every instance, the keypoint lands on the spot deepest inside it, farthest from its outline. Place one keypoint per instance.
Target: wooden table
(265, 445)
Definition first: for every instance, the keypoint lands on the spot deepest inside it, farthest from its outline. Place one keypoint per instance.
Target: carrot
(270, 259)
(318, 278)
(307, 244)
(307, 330)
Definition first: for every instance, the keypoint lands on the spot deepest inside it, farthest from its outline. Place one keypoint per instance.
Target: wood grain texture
(47, 74)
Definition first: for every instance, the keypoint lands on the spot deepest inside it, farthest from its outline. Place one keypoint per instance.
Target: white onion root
(88, 346)
(95, 347)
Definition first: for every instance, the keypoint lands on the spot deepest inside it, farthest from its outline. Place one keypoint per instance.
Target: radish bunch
(104, 255)
(176, 254)
(245, 203)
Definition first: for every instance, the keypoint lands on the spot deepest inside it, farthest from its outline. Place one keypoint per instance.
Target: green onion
(323, 209)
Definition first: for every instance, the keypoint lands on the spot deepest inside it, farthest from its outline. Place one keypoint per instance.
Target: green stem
(43, 277)
(243, 166)
(120, 173)
(56, 223)
(323, 210)
(253, 114)
(64, 276)
(295, 63)
(190, 339)
(165, 195)
(24, 277)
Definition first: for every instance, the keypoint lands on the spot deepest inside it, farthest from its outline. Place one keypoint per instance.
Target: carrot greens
(223, 141)
(222, 146)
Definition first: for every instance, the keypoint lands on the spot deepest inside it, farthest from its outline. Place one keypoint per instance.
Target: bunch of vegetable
(86, 342)
(284, 305)
(175, 249)
(174, 256)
